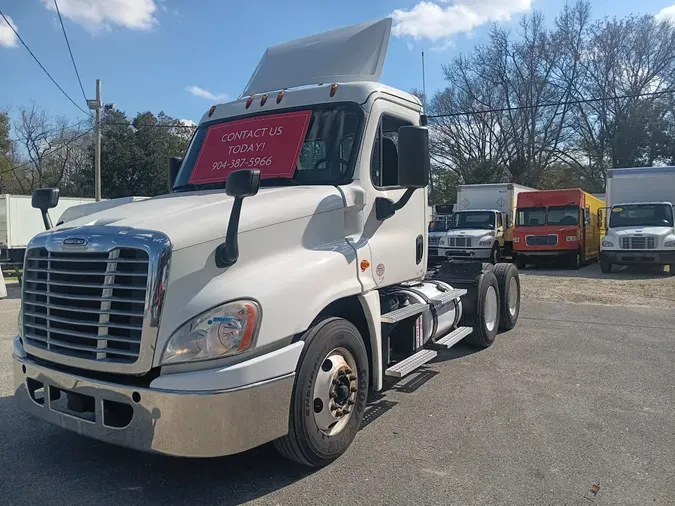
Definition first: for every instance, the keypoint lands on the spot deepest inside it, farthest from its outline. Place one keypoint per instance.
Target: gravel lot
(576, 395)
(631, 286)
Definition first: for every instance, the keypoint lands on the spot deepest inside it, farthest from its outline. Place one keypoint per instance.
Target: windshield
(299, 147)
(474, 219)
(530, 216)
(439, 225)
(563, 215)
(641, 215)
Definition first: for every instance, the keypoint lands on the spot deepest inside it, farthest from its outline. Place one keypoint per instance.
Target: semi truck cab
(282, 278)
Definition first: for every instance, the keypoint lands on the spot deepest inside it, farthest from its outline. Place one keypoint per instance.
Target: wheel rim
(494, 256)
(513, 296)
(578, 261)
(335, 389)
(490, 308)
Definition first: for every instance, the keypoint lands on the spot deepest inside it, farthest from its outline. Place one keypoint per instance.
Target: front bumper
(546, 253)
(473, 253)
(181, 423)
(637, 257)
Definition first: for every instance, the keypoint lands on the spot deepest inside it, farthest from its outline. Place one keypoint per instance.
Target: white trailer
(19, 222)
(640, 218)
(272, 288)
(482, 225)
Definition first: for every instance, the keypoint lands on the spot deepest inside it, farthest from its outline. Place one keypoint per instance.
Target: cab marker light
(280, 95)
(333, 89)
(263, 99)
(249, 101)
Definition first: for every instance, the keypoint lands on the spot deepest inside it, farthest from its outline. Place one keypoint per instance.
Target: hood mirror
(45, 199)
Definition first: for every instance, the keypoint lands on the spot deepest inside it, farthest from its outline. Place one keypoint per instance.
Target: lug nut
(335, 382)
(353, 389)
(352, 377)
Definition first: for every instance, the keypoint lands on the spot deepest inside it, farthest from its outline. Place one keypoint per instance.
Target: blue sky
(181, 56)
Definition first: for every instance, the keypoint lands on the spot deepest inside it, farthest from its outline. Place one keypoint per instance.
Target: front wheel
(521, 261)
(575, 260)
(494, 254)
(329, 395)
(605, 267)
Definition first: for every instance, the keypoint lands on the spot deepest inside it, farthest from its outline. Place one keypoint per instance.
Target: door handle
(419, 249)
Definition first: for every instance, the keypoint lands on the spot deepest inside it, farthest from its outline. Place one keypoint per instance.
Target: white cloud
(187, 122)
(202, 93)
(667, 14)
(104, 14)
(7, 36)
(434, 21)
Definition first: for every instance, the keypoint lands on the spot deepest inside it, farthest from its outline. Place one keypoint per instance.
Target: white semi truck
(282, 278)
(640, 226)
(482, 225)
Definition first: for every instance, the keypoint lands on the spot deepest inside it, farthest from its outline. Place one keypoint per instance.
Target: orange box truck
(565, 225)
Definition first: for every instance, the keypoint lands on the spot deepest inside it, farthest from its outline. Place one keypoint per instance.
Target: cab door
(398, 244)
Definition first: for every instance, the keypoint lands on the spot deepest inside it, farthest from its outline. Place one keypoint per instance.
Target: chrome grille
(638, 242)
(87, 305)
(541, 240)
(460, 242)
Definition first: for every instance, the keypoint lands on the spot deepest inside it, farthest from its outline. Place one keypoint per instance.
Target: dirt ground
(629, 286)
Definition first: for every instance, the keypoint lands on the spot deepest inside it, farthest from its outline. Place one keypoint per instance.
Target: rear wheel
(486, 315)
(329, 395)
(509, 295)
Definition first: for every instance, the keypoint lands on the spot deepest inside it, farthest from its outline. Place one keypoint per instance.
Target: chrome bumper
(189, 424)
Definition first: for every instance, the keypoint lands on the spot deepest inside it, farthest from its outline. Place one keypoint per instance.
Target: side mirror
(45, 199)
(414, 163)
(599, 218)
(240, 184)
(175, 163)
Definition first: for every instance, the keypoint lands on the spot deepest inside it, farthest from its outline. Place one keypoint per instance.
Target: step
(446, 298)
(448, 341)
(402, 313)
(411, 363)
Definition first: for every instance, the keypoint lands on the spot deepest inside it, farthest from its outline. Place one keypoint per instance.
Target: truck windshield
(294, 147)
(474, 219)
(641, 215)
(563, 215)
(530, 216)
(439, 225)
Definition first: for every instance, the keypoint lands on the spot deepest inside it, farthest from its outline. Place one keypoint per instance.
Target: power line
(40, 64)
(552, 104)
(72, 58)
(65, 145)
(53, 130)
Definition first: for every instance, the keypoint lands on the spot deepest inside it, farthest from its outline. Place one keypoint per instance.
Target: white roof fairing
(348, 54)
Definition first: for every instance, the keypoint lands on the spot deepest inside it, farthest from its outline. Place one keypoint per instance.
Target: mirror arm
(386, 208)
(227, 253)
(46, 219)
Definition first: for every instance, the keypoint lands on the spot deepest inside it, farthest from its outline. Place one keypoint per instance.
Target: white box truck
(482, 224)
(640, 227)
(282, 278)
(19, 223)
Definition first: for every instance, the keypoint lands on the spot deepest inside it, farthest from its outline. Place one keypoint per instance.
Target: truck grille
(460, 242)
(86, 305)
(541, 240)
(638, 242)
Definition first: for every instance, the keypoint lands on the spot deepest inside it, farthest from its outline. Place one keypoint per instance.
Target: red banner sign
(269, 143)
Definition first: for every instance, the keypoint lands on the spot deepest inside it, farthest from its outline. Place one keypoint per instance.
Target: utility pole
(96, 105)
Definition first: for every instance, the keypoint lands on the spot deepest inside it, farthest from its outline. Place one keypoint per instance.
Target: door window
(384, 161)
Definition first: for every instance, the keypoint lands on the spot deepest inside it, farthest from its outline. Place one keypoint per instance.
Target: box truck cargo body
(640, 218)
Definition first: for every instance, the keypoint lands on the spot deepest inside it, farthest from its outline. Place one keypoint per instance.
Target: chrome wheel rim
(335, 390)
(513, 296)
(490, 308)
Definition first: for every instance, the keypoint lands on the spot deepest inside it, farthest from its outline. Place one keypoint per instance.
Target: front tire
(509, 295)
(521, 261)
(329, 394)
(576, 260)
(494, 254)
(605, 267)
(486, 315)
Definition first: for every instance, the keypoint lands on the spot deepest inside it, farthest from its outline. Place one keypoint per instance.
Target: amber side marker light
(364, 265)
(249, 101)
(263, 99)
(333, 89)
(280, 96)
(212, 110)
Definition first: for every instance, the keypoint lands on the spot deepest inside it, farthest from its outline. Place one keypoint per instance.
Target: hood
(630, 231)
(195, 217)
(470, 232)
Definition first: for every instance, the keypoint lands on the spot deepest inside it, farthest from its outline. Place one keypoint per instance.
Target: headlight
(223, 331)
(607, 244)
(516, 239)
(441, 242)
(486, 242)
(571, 238)
(670, 244)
